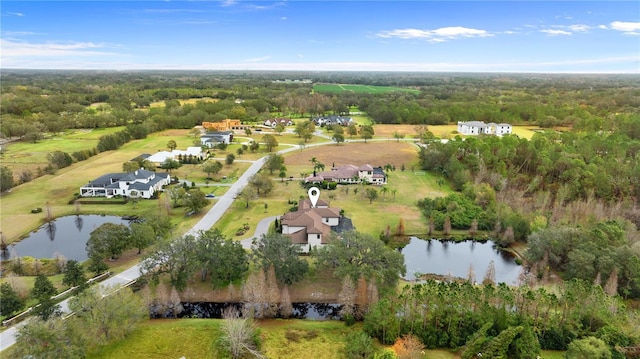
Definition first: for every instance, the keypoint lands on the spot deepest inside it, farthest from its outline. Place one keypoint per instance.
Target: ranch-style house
(350, 174)
(141, 183)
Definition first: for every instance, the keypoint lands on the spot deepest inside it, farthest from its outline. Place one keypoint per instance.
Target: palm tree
(384, 190)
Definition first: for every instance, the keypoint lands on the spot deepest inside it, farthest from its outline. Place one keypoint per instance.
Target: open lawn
(56, 190)
(404, 189)
(22, 156)
(337, 88)
(450, 131)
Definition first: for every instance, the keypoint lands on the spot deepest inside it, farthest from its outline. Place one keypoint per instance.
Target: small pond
(66, 236)
(453, 258)
(309, 311)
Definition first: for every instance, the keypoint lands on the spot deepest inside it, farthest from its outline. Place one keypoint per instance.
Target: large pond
(66, 236)
(451, 258)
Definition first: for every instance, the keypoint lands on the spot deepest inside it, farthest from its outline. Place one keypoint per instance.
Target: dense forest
(37, 101)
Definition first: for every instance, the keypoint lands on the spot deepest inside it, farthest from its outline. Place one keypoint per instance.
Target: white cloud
(11, 49)
(20, 33)
(579, 28)
(15, 13)
(556, 32)
(258, 59)
(629, 28)
(283, 18)
(437, 35)
(628, 64)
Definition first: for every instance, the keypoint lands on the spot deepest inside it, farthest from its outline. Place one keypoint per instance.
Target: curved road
(8, 337)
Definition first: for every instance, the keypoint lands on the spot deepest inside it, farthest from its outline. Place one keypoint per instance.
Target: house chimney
(136, 172)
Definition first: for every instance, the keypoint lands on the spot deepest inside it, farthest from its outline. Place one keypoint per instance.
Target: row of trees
(211, 257)
(87, 330)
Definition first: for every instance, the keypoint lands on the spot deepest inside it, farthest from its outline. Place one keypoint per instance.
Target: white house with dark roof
(350, 174)
(159, 157)
(310, 226)
(479, 127)
(140, 183)
(212, 139)
(273, 122)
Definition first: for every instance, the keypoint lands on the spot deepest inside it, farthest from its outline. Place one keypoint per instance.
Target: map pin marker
(314, 194)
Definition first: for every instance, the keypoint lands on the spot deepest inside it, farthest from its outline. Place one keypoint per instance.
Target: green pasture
(337, 88)
(55, 191)
(367, 218)
(197, 338)
(20, 155)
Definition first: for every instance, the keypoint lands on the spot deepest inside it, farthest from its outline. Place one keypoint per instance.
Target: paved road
(8, 337)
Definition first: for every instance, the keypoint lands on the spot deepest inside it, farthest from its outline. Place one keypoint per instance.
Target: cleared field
(20, 156)
(337, 88)
(190, 101)
(387, 131)
(374, 153)
(403, 190)
(56, 190)
(449, 131)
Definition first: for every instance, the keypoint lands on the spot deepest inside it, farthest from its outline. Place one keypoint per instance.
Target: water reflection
(67, 236)
(451, 258)
(50, 229)
(79, 221)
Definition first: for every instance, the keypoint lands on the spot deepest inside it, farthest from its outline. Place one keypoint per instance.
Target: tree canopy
(277, 250)
(356, 254)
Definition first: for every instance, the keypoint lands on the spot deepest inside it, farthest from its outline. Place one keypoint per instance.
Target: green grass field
(20, 156)
(197, 338)
(337, 88)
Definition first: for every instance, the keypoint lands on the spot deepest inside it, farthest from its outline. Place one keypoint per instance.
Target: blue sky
(476, 36)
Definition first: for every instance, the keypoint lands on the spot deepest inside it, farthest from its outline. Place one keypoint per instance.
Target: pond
(453, 258)
(66, 236)
(309, 311)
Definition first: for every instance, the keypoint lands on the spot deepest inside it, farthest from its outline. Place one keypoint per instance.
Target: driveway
(261, 228)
